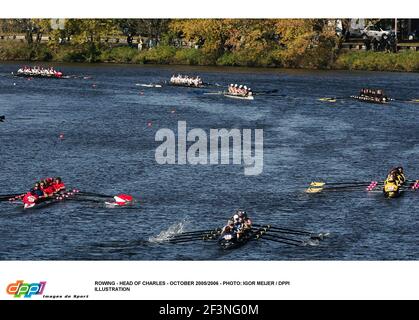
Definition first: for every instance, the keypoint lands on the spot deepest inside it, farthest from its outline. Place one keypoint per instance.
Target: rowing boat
(382, 100)
(149, 85)
(39, 75)
(119, 200)
(236, 96)
(43, 202)
(187, 85)
(227, 242)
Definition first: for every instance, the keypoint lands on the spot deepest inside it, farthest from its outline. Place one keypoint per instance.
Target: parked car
(414, 35)
(374, 32)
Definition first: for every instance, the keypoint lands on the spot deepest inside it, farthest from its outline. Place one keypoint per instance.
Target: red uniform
(58, 186)
(29, 198)
(49, 190)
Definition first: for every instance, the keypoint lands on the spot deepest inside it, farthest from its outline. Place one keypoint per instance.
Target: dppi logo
(27, 290)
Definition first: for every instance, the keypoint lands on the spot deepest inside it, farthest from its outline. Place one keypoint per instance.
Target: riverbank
(407, 61)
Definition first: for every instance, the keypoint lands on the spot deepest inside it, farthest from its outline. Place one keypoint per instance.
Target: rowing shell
(47, 201)
(47, 76)
(371, 99)
(227, 242)
(239, 97)
(149, 85)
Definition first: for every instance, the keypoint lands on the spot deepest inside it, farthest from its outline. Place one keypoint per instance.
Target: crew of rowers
(396, 177)
(239, 90)
(39, 71)
(186, 80)
(44, 189)
(373, 94)
(237, 225)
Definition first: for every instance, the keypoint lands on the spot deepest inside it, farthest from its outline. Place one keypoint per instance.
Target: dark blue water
(109, 148)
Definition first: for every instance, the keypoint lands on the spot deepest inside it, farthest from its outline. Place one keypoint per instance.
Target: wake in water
(315, 240)
(173, 230)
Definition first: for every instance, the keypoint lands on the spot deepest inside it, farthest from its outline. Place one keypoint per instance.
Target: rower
(37, 190)
(47, 189)
(397, 175)
(400, 175)
(246, 222)
(229, 225)
(58, 185)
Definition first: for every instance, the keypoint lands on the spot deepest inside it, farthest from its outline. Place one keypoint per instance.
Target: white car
(373, 32)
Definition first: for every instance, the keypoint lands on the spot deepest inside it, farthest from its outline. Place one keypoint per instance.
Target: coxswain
(30, 198)
(227, 233)
(391, 186)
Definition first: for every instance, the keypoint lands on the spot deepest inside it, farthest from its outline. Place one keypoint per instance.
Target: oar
(271, 236)
(262, 92)
(321, 189)
(285, 231)
(198, 232)
(214, 93)
(331, 99)
(185, 240)
(322, 183)
(93, 194)
(6, 199)
(407, 101)
(277, 240)
(312, 236)
(200, 235)
(99, 195)
(8, 196)
(269, 227)
(13, 198)
(204, 236)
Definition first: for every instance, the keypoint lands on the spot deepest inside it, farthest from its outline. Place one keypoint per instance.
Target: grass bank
(320, 59)
(378, 61)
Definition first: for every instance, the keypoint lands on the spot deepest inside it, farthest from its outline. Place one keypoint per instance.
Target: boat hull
(235, 243)
(370, 99)
(43, 202)
(239, 97)
(49, 76)
(186, 85)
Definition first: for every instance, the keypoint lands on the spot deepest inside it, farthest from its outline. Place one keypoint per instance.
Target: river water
(109, 125)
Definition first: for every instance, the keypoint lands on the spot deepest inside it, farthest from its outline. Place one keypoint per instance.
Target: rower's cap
(245, 87)
(236, 216)
(240, 86)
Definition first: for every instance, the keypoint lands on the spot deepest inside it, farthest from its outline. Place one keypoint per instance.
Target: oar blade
(314, 190)
(123, 200)
(317, 184)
